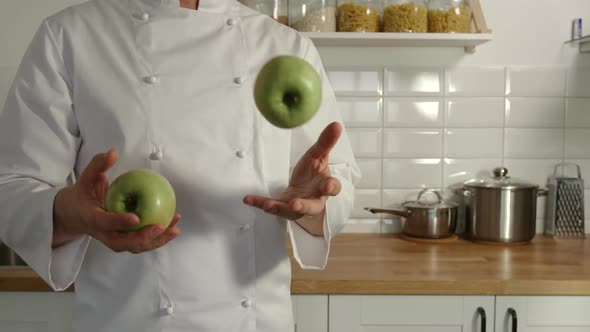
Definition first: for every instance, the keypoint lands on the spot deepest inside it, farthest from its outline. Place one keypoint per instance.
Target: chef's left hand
(310, 184)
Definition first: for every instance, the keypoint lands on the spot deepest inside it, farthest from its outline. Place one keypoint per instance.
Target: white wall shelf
(390, 39)
(583, 43)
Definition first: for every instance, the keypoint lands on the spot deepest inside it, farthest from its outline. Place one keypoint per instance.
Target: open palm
(310, 184)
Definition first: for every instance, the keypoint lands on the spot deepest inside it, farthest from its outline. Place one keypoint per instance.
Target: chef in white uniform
(167, 87)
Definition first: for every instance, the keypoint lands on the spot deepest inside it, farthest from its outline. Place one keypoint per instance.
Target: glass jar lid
(500, 180)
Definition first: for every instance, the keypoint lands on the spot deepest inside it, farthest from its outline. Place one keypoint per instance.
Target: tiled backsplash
(416, 127)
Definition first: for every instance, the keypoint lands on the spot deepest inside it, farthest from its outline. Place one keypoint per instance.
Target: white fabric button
(246, 227)
(158, 155)
(239, 80)
(246, 303)
(170, 310)
(231, 22)
(152, 79)
(144, 17)
(241, 154)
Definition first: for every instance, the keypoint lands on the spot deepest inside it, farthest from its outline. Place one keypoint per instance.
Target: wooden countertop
(391, 264)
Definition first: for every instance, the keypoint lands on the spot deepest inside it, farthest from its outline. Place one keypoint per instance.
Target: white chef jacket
(171, 88)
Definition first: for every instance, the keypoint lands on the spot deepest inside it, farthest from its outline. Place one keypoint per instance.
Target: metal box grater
(565, 205)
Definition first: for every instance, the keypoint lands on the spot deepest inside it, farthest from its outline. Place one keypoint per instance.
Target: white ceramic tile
(475, 112)
(577, 143)
(7, 74)
(391, 226)
(533, 143)
(365, 142)
(413, 112)
(364, 82)
(578, 112)
(578, 83)
(457, 171)
(365, 198)
(476, 81)
(362, 226)
(535, 112)
(412, 173)
(413, 143)
(360, 111)
(535, 171)
(371, 173)
(414, 81)
(536, 81)
(473, 143)
(571, 171)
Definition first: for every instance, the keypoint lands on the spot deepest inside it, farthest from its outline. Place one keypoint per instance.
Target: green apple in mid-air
(144, 193)
(288, 91)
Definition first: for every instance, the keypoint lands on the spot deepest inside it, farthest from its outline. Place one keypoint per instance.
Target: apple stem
(131, 203)
(291, 99)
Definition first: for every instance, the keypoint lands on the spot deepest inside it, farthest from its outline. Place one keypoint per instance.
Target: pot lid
(500, 180)
(422, 203)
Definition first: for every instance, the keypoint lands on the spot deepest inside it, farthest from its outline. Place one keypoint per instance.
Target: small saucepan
(426, 219)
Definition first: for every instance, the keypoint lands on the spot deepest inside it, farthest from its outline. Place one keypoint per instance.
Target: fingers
(99, 164)
(327, 140)
(105, 221)
(145, 239)
(330, 187)
(293, 210)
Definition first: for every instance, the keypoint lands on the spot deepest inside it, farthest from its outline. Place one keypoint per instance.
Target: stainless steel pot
(426, 219)
(501, 209)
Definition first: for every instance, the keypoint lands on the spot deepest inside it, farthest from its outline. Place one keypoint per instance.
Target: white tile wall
(417, 127)
(535, 112)
(412, 142)
(533, 143)
(475, 112)
(473, 143)
(578, 83)
(413, 112)
(361, 111)
(536, 82)
(468, 81)
(414, 81)
(578, 112)
(412, 173)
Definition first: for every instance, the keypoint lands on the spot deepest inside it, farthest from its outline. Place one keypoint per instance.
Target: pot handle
(426, 190)
(464, 192)
(401, 213)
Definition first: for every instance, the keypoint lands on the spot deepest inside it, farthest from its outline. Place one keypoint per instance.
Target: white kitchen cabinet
(310, 313)
(543, 313)
(36, 312)
(381, 313)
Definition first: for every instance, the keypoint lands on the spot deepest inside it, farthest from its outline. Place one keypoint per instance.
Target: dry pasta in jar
(449, 16)
(405, 16)
(358, 16)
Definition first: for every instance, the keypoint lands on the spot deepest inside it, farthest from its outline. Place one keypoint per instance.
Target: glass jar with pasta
(405, 16)
(449, 16)
(313, 15)
(359, 16)
(277, 9)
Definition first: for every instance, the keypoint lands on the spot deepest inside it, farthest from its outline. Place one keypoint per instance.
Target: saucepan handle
(401, 213)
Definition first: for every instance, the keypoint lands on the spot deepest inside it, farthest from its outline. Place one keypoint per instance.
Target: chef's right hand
(79, 210)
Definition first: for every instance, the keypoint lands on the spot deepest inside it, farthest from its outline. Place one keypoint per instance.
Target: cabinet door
(36, 312)
(543, 313)
(310, 313)
(377, 313)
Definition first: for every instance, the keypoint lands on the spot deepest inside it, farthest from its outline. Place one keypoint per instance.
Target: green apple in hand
(144, 193)
(288, 91)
